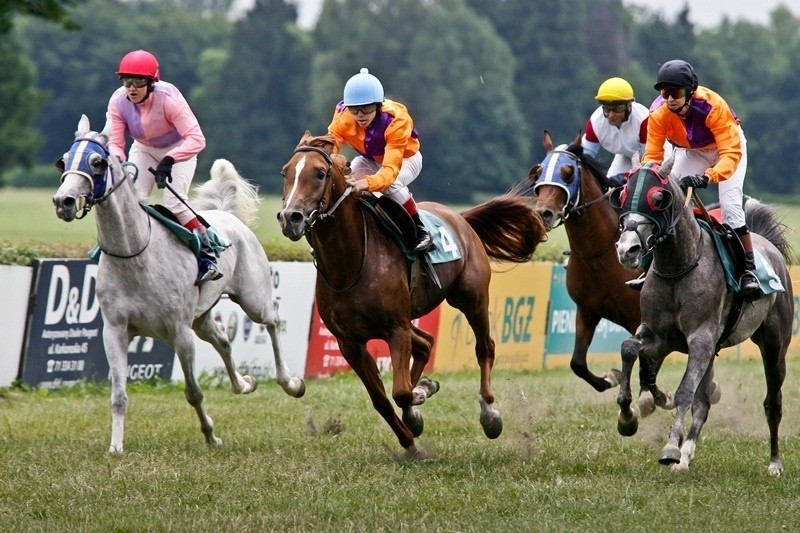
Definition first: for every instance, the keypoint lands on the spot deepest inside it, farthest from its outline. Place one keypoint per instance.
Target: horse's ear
(83, 126)
(534, 173)
(304, 139)
(666, 167)
(616, 198)
(547, 141)
(577, 139)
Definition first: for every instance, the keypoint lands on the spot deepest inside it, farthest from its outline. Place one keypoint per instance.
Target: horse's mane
(598, 169)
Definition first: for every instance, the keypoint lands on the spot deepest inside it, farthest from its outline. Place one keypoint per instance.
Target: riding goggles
(362, 109)
(134, 82)
(615, 107)
(675, 92)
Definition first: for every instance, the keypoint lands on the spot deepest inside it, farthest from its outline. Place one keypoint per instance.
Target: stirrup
(208, 272)
(749, 286)
(636, 283)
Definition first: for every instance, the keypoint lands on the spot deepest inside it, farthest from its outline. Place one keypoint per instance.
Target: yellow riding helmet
(614, 90)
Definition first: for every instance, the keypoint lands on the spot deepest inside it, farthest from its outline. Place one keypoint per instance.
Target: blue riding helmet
(363, 89)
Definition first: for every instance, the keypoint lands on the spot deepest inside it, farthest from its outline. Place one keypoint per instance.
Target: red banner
(324, 358)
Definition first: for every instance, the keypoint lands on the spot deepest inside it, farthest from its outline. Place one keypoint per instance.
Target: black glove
(698, 182)
(617, 180)
(163, 172)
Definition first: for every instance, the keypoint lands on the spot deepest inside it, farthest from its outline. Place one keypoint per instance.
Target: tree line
(482, 78)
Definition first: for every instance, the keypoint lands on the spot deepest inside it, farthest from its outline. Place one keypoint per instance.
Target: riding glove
(697, 182)
(617, 180)
(163, 172)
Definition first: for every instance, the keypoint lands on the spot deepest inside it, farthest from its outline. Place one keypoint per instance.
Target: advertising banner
(293, 289)
(518, 297)
(64, 342)
(608, 336)
(325, 358)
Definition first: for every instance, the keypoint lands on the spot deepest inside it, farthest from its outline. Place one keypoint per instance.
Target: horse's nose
(292, 223)
(548, 216)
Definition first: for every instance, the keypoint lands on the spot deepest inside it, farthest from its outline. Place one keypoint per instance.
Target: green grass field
(328, 462)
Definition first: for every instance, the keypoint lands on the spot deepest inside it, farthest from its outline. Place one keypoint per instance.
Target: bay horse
(687, 304)
(570, 189)
(145, 277)
(364, 289)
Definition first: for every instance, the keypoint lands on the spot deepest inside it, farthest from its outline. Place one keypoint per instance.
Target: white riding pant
(144, 157)
(696, 161)
(397, 191)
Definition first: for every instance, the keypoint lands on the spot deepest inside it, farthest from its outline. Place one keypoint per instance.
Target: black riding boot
(748, 283)
(207, 264)
(424, 240)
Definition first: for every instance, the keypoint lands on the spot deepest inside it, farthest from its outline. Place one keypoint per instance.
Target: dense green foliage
(482, 78)
(328, 462)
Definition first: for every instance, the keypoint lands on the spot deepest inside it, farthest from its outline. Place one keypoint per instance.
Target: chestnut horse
(570, 189)
(366, 290)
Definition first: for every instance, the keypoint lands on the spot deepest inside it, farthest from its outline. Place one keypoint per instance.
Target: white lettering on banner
(384, 364)
(146, 346)
(563, 321)
(74, 306)
(606, 328)
(329, 360)
(144, 371)
(76, 365)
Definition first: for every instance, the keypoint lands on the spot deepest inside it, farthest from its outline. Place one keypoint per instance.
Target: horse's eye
(567, 174)
(283, 172)
(97, 163)
(321, 173)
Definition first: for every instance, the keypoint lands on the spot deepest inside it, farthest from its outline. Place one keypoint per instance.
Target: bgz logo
(517, 317)
(74, 305)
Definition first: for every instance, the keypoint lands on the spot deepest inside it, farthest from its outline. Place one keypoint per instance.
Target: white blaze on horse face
(629, 245)
(297, 170)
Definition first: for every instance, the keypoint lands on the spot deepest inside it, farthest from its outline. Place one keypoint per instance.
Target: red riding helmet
(139, 63)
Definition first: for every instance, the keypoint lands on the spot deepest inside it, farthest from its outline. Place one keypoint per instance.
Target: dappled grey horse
(145, 279)
(686, 305)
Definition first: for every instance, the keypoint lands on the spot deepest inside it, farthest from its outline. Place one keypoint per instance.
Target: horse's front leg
(650, 395)
(400, 348)
(700, 408)
(366, 369)
(701, 354)
(585, 326)
(115, 341)
(627, 422)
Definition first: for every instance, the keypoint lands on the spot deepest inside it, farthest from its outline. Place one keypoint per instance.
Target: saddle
(396, 221)
(168, 219)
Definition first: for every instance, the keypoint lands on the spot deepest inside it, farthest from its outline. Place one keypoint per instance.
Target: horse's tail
(509, 229)
(764, 220)
(228, 191)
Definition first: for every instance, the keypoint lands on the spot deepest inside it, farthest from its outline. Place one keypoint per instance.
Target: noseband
(81, 159)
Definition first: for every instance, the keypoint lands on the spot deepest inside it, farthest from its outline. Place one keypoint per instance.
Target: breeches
(397, 191)
(144, 157)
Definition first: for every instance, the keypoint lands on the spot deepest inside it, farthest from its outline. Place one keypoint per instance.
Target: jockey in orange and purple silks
(383, 134)
(710, 146)
(166, 135)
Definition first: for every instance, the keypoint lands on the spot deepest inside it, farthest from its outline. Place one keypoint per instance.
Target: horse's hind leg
(115, 341)
(478, 318)
(585, 326)
(773, 355)
(208, 330)
(421, 346)
(262, 309)
(184, 348)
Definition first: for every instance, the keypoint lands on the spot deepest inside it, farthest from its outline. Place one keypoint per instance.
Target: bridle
(319, 215)
(88, 158)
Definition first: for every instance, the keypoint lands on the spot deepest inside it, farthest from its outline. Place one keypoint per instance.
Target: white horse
(145, 280)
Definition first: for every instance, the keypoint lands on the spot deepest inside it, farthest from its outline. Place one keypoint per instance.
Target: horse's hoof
(297, 390)
(492, 425)
(412, 418)
(775, 468)
(670, 455)
(613, 377)
(253, 382)
(647, 404)
(627, 428)
(715, 394)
